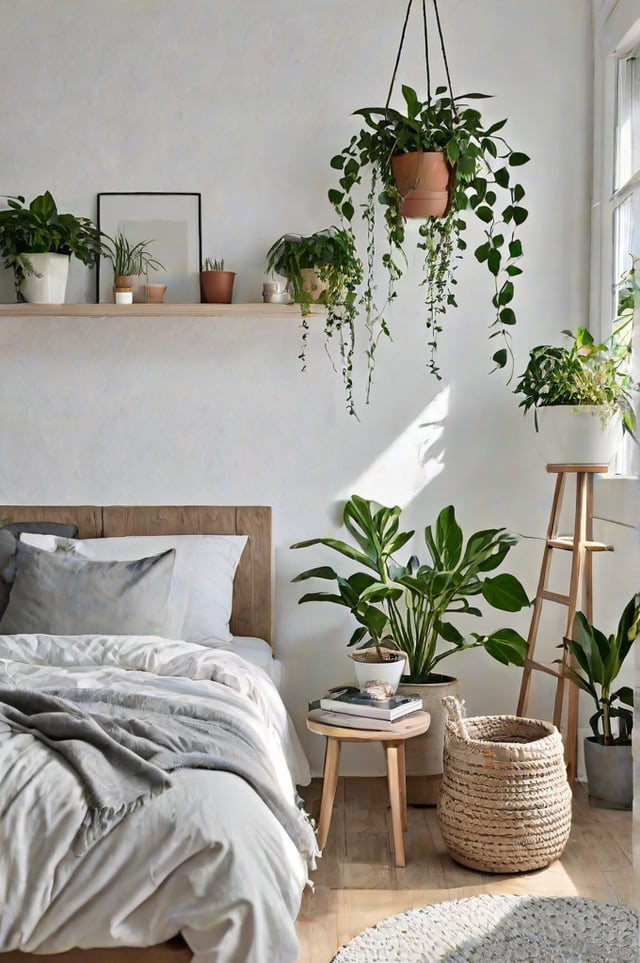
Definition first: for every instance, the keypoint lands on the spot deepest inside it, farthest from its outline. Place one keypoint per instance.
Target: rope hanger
(426, 51)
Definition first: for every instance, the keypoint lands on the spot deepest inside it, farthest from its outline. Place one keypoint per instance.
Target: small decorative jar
(123, 295)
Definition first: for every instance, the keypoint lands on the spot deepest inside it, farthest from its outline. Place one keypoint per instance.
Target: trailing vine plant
(482, 182)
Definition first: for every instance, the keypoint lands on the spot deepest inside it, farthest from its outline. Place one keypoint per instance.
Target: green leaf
(507, 316)
(500, 358)
(505, 592)
(502, 176)
(347, 210)
(484, 213)
(505, 294)
(520, 214)
(323, 571)
(335, 196)
(515, 248)
(337, 162)
(517, 159)
(494, 261)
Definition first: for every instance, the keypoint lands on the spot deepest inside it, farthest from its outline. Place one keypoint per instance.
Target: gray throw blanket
(123, 745)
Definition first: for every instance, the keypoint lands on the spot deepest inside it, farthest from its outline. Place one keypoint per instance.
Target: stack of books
(351, 708)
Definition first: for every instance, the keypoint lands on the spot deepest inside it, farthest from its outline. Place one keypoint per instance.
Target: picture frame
(172, 222)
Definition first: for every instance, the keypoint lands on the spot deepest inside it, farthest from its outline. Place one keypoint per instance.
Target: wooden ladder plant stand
(581, 545)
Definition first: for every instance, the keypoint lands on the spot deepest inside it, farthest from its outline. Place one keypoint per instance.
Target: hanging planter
(393, 156)
(422, 178)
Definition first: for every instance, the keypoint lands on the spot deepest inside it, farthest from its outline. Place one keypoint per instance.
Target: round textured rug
(502, 929)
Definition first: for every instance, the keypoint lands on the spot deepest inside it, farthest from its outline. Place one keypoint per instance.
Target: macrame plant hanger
(426, 51)
(421, 196)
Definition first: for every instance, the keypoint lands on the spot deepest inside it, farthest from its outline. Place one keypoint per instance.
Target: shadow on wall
(408, 464)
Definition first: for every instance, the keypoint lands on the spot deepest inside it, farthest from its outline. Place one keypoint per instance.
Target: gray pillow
(9, 535)
(62, 594)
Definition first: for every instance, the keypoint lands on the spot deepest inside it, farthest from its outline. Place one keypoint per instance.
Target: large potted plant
(37, 242)
(581, 394)
(474, 169)
(410, 605)
(596, 661)
(323, 268)
(130, 262)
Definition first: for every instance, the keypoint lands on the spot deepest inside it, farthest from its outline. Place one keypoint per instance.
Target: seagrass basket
(505, 802)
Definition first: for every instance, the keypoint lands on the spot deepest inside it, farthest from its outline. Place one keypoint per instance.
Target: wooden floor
(356, 883)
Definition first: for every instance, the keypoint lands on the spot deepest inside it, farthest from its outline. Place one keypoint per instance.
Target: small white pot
(51, 286)
(575, 435)
(387, 674)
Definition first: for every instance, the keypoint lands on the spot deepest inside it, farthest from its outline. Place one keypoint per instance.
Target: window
(616, 219)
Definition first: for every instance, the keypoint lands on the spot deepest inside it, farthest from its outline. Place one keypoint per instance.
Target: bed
(209, 869)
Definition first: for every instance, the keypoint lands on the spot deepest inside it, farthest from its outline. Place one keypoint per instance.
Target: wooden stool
(394, 743)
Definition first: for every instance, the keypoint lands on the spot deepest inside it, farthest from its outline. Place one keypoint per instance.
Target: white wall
(246, 104)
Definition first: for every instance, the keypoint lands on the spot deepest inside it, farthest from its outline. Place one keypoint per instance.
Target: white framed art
(172, 223)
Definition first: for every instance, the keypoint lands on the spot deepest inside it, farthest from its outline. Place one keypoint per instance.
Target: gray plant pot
(609, 775)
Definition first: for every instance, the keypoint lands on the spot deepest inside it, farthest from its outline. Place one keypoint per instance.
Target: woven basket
(505, 803)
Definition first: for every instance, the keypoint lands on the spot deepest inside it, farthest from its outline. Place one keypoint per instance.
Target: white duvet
(206, 858)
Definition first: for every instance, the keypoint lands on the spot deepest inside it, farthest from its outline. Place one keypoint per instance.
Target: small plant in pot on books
(412, 606)
(596, 661)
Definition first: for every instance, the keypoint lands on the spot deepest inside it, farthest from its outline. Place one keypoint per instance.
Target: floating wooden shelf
(255, 309)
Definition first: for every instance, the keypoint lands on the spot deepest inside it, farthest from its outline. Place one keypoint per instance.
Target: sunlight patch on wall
(409, 463)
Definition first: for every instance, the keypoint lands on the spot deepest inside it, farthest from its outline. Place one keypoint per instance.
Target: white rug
(502, 929)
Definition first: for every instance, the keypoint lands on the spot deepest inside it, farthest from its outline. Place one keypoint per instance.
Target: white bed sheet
(228, 876)
(256, 651)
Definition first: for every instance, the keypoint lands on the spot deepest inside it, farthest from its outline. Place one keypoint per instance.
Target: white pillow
(201, 593)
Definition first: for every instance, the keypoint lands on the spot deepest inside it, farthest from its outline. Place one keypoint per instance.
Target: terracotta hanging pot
(423, 180)
(216, 287)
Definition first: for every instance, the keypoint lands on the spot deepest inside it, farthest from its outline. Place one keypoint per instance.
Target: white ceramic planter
(51, 286)
(424, 753)
(370, 673)
(575, 435)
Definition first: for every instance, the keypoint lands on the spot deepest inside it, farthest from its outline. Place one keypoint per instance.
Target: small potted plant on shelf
(397, 152)
(322, 268)
(131, 264)
(407, 606)
(596, 663)
(37, 242)
(216, 284)
(582, 393)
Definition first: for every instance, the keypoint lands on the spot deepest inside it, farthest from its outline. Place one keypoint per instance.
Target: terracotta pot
(216, 287)
(135, 282)
(424, 753)
(423, 179)
(155, 293)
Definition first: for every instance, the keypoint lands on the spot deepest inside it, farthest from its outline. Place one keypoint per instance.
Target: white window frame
(616, 32)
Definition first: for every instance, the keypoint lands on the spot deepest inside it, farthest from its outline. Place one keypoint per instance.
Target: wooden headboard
(253, 586)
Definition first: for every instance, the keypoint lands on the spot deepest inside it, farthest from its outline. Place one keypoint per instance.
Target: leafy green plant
(128, 258)
(410, 604)
(598, 659)
(39, 228)
(585, 371)
(211, 264)
(330, 254)
(481, 182)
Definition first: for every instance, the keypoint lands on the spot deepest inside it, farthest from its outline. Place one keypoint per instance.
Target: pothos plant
(331, 256)
(482, 182)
